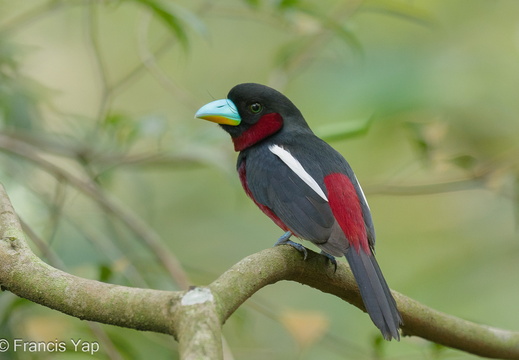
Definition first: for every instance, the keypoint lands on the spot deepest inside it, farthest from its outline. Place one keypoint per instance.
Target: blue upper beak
(221, 112)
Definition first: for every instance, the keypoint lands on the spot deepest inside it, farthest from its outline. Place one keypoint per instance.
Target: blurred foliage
(114, 180)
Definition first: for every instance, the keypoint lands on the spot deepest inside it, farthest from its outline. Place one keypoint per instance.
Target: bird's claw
(297, 246)
(284, 240)
(332, 260)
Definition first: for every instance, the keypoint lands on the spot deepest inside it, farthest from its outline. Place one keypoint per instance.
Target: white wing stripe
(296, 167)
(361, 192)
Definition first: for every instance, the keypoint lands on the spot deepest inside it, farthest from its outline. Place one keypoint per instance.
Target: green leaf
(121, 128)
(379, 345)
(172, 16)
(19, 99)
(286, 4)
(105, 273)
(466, 162)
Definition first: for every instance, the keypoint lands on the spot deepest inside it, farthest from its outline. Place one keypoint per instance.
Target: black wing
(273, 184)
(309, 216)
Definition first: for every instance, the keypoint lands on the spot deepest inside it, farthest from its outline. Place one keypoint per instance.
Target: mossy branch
(195, 317)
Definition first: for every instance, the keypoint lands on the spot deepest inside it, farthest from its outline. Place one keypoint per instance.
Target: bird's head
(252, 113)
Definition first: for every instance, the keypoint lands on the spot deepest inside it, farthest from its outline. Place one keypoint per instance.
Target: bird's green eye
(255, 108)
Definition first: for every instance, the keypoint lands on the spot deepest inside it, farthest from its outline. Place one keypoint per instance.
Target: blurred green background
(419, 96)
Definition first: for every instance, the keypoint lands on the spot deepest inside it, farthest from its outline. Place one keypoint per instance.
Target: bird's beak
(221, 112)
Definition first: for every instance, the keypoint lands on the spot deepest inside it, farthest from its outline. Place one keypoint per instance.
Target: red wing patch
(346, 208)
(243, 179)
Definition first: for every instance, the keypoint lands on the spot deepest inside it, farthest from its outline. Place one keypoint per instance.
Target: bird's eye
(255, 108)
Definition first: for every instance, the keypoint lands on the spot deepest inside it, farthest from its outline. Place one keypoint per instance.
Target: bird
(306, 187)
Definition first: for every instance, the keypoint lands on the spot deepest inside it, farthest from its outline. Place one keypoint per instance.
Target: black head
(252, 113)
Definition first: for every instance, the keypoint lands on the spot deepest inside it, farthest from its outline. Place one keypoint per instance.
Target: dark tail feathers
(379, 302)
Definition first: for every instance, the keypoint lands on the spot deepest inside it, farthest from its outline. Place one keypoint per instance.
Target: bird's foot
(332, 260)
(284, 240)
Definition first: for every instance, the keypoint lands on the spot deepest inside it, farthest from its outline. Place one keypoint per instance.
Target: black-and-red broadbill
(306, 187)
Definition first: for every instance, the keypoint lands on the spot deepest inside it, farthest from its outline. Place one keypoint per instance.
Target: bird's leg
(332, 260)
(284, 240)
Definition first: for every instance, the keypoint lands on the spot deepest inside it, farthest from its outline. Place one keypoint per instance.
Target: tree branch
(195, 317)
(25, 275)
(281, 263)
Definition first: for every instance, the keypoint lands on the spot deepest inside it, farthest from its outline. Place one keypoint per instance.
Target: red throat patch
(346, 208)
(267, 125)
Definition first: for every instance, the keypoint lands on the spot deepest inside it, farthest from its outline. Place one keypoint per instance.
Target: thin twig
(109, 204)
(92, 26)
(149, 60)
